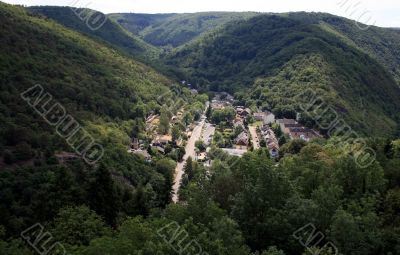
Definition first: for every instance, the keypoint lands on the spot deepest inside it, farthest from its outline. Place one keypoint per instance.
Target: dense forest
(109, 32)
(174, 30)
(313, 199)
(288, 54)
(107, 93)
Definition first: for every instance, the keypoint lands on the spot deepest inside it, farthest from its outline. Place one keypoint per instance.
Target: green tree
(188, 169)
(187, 118)
(78, 226)
(264, 195)
(104, 199)
(200, 145)
(176, 133)
(163, 126)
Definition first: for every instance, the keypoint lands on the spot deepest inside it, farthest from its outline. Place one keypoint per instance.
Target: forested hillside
(109, 32)
(107, 93)
(175, 29)
(233, 58)
(383, 44)
(315, 196)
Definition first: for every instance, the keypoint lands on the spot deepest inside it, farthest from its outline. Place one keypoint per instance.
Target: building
(238, 122)
(244, 113)
(284, 122)
(218, 104)
(270, 140)
(265, 117)
(273, 148)
(297, 131)
(259, 116)
(242, 140)
(270, 118)
(303, 133)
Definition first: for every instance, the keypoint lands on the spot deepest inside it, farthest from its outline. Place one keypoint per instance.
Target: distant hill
(382, 44)
(110, 32)
(137, 22)
(175, 29)
(353, 74)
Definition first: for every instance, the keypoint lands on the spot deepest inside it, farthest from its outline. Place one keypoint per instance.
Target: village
(233, 128)
(241, 130)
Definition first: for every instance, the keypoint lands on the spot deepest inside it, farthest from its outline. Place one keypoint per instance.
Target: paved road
(254, 137)
(208, 132)
(190, 152)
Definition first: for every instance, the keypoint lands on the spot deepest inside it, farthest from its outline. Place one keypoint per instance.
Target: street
(254, 137)
(190, 152)
(209, 131)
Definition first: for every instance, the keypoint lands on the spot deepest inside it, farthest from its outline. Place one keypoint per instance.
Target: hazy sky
(384, 13)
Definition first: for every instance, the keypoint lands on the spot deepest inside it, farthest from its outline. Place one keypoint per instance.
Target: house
(265, 117)
(303, 133)
(264, 128)
(242, 139)
(273, 148)
(270, 140)
(217, 104)
(259, 116)
(284, 122)
(238, 122)
(246, 112)
(269, 118)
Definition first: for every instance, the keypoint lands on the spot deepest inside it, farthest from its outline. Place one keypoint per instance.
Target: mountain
(285, 54)
(107, 94)
(174, 30)
(109, 32)
(246, 205)
(382, 44)
(137, 22)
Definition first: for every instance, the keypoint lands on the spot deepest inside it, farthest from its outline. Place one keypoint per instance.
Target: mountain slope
(175, 29)
(108, 94)
(110, 32)
(383, 44)
(234, 57)
(137, 22)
